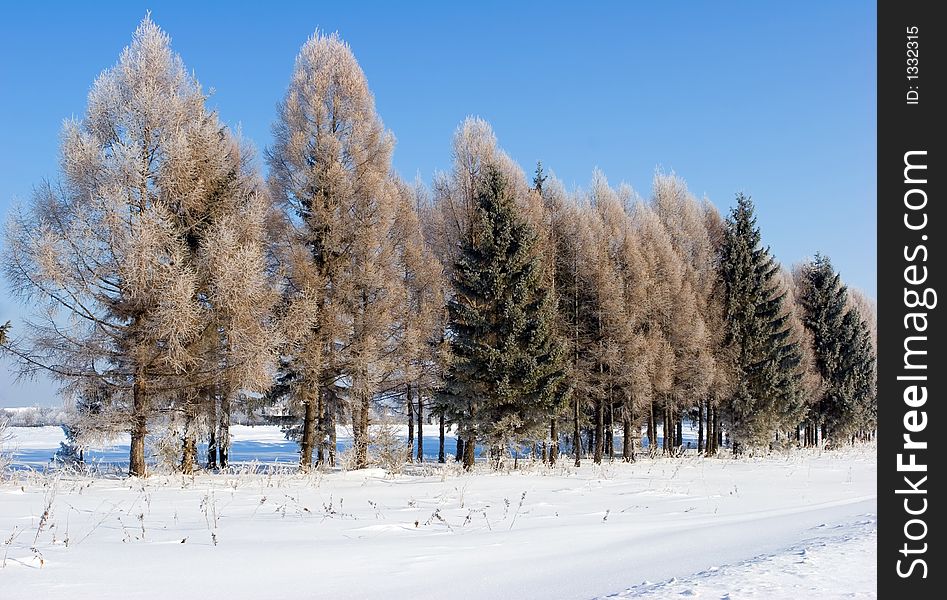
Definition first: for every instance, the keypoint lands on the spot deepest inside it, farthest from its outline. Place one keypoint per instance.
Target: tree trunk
(365, 413)
(665, 442)
(700, 426)
(441, 457)
(577, 433)
(189, 456)
(223, 441)
(360, 407)
(212, 440)
(459, 453)
(189, 441)
(136, 453)
(554, 441)
(716, 428)
(420, 429)
(711, 432)
(652, 428)
(718, 433)
(610, 432)
(212, 449)
(599, 433)
(409, 400)
(330, 425)
(470, 445)
(308, 436)
(319, 439)
(627, 447)
(188, 453)
(679, 438)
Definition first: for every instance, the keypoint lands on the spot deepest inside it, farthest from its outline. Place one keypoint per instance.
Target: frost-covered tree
(696, 332)
(564, 226)
(474, 152)
(668, 313)
(240, 336)
(612, 342)
(725, 364)
(576, 274)
(116, 251)
(422, 343)
(331, 168)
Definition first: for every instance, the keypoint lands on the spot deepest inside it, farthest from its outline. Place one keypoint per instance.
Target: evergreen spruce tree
(843, 350)
(768, 387)
(539, 178)
(862, 379)
(506, 372)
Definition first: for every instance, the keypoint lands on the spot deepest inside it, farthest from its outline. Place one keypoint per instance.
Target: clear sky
(773, 99)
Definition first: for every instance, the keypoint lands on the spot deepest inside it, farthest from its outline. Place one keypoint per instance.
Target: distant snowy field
(796, 526)
(33, 447)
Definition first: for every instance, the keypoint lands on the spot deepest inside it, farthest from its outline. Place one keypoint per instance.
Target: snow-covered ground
(823, 569)
(794, 526)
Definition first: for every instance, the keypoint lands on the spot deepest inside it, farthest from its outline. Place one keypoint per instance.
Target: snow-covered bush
(166, 450)
(5, 438)
(386, 449)
(70, 453)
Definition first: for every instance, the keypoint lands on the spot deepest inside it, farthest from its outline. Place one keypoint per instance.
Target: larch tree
(119, 251)
(330, 167)
(666, 333)
(863, 383)
(474, 152)
(241, 336)
(422, 342)
(613, 326)
(566, 228)
(694, 341)
(721, 385)
(812, 382)
(372, 305)
(809, 383)
(576, 250)
(636, 367)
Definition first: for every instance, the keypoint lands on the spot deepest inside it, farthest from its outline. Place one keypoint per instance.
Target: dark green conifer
(767, 391)
(506, 373)
(843, 351)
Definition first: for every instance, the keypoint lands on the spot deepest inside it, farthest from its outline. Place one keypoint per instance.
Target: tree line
(175, 284)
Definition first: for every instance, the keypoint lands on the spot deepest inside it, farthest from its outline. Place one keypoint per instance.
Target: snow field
(690, 526)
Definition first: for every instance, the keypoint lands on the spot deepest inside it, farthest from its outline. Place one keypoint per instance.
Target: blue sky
(773, 99)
